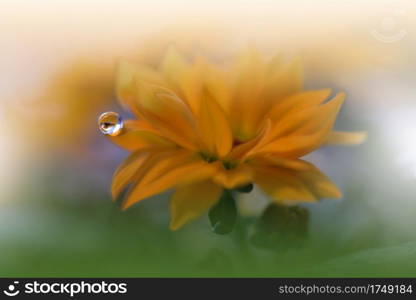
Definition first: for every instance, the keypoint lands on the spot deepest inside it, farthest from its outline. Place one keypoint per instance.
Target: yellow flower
(203, 127)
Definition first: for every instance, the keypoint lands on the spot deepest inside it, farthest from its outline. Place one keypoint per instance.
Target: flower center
(236, 143)
(210, 158)
(228, 165)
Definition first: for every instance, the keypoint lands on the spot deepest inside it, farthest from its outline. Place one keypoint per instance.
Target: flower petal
(217, 83)
(298, 102)
(138, 135)
(239, 176)
(346, 138)
(257, 91)
(288, 163)
(190, 201)
(247, 85)
(193, 84)
(126, 75)
(243, 150)
(295, 185)
(167, 170)
(173, 67)
(319, 183)
(283, 185)
(285, 82)
(147, 163)
(167, 113)
(305, 131)
(126, 171)
(215, 132)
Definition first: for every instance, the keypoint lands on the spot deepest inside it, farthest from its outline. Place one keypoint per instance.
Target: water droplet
(110, 123)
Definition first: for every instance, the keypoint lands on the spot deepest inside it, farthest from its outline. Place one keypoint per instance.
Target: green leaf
(223, 215)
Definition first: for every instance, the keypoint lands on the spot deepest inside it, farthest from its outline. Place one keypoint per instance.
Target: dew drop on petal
(110, 123)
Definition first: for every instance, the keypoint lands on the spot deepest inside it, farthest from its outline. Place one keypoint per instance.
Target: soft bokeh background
(56, 73)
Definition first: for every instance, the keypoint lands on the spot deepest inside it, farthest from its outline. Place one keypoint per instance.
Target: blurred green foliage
(96, 239)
